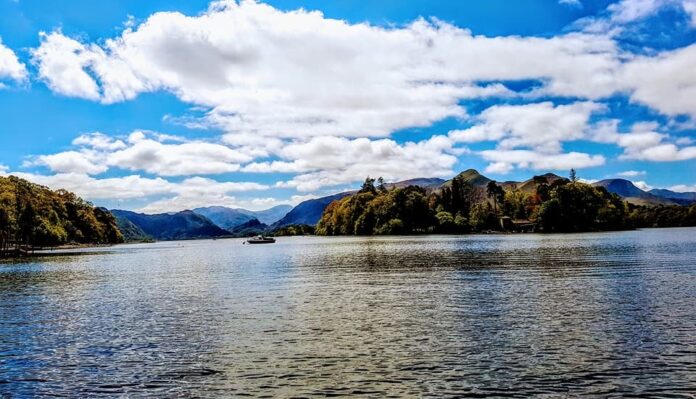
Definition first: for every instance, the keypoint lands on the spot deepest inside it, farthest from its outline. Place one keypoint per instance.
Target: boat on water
(261, 240)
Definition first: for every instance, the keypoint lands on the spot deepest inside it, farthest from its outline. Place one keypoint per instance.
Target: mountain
(529, 186)
(425, 182)
(308, 212)
(629, 192)
(471, 176)
(229, 218)
(272, 215)
(130, 231)
(679, 198)
(173, 226)
(224, 217)
(250, 228)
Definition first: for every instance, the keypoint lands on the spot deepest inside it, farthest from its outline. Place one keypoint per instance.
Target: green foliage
(458, 207)
(663, 216)
(32, 215)
(396, 211)
(294, 230)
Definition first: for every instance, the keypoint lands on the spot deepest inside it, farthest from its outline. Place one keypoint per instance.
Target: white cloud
(144, 151)
(665, 82)
(644, 143)
(542, 126)
(10, 66)
(503, 161)
(298, 74)
(61, 62)
(99, 141)
(683, 188)
(177, 159)
(72, 162)
(631, 10)
(642, 185)
(531, 136)
(127, 187)
(632, 173)
(331, 161)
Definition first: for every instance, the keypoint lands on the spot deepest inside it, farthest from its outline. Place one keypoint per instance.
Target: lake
(502, 315)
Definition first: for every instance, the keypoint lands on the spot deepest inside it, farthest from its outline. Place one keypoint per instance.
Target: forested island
(35, 216)
(472, 203)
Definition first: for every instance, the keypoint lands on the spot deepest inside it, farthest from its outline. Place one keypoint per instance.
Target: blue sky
(158, 106)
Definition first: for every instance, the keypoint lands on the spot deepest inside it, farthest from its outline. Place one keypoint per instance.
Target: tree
(380, 185)
(573, 176)
(494, 191)
(368, 186)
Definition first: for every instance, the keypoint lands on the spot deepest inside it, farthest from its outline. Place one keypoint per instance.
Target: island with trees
(34, 216)
(472, 203)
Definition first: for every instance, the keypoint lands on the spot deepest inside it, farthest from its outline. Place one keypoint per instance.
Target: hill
(632, 194)
(529, 186)
(308, 212)
(226, 218)
(425, 182)
(173, 226)
(34, 215)
(687, 198)
(271, 215)
(130, 231)
(472, 177)
(229, 218)
(250, 228)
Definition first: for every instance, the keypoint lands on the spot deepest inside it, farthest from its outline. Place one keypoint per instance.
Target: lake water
(505, 315)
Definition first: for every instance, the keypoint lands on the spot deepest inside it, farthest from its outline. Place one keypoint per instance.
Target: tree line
(553, 205)
(35, 216)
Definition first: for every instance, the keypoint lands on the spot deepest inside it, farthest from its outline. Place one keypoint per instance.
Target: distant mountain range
(629, 192)
(679, 198)
(229, 218)
(168, 226)
(217, 221)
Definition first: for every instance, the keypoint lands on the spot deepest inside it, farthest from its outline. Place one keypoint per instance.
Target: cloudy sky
(155, 106)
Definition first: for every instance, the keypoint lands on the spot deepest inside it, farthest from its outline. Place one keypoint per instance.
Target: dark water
(522, 315)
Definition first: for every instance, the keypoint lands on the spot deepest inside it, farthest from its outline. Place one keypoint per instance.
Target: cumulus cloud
(665, 82)
(72, 162)
(127, 187)
(531, 136)
(61, 65)
(643, 185)
(10, 66)
(155, 153)
(330, 161)
(542, 126)
(177, 159)
(503, 161)
(683, 188)
(631, 10)
(298, 73)
(645, 143)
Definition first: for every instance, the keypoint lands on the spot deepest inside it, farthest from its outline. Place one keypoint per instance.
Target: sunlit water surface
(502, 315)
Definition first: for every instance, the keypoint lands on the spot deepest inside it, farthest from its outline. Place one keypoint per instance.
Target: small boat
(261, 240)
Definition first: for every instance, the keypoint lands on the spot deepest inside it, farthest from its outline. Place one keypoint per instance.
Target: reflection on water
(515, 315)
